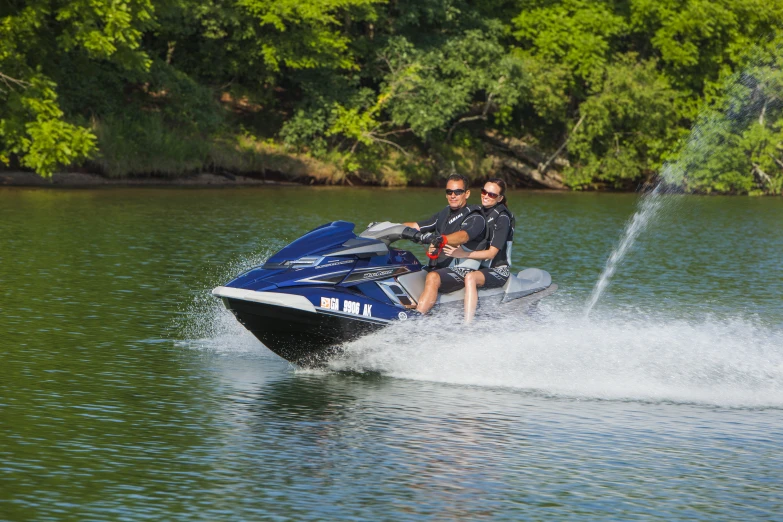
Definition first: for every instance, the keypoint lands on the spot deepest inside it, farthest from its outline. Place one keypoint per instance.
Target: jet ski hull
(299, 336)
(309, 338)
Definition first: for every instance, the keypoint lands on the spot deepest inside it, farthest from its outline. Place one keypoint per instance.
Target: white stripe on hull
(272, 298)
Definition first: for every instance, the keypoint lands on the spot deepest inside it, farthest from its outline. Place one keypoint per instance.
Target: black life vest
(491, 217)
(450, 222)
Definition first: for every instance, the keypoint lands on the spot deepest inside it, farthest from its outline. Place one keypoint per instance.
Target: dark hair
(459, 177)
(502, 184)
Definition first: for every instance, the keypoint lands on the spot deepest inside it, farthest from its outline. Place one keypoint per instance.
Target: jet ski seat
(526, 282)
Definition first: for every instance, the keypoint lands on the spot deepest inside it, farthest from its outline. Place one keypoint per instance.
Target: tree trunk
(526, 164)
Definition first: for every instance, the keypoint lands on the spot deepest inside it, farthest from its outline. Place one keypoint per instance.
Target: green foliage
(33, 128)
(105, 29)
(143, 144)
(698, 40)
(305, 34)
(398, 92)
(463, 154)
(182, 102)
(428, 91)
(420, 93)
(628, 124)
(737, 145)
(574, 33)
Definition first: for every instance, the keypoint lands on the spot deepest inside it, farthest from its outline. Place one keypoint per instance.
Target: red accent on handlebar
(438, 250)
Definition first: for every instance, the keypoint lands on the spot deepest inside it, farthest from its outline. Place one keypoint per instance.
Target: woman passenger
(495, 259)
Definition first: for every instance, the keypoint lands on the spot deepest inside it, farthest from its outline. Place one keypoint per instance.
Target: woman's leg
(472, 281)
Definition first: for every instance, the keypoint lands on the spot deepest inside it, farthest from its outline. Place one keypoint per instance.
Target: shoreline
(23, 179)
(85, 180)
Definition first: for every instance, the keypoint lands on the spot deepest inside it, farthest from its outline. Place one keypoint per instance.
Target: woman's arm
(481, 255)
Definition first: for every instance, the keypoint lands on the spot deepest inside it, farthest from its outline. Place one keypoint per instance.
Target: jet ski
(331, 286)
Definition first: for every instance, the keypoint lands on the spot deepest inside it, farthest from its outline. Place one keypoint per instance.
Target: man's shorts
(495, 277)
(452, 279)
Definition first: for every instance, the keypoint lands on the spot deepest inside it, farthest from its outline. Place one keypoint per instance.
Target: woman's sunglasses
(490, 194)
(457, 192)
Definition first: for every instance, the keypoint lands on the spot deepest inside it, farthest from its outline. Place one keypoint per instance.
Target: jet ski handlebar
(391, 232)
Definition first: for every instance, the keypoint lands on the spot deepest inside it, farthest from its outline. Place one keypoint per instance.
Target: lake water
(128, 393)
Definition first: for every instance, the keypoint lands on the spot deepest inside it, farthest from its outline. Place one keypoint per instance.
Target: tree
(33, 35)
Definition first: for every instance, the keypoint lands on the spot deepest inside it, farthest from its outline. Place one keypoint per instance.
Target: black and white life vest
(451, 222)
(491, 217)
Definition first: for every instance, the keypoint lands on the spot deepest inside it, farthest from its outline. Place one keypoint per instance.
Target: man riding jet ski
(459, 224)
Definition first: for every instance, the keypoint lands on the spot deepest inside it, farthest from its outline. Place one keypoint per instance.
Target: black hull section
(301, 337)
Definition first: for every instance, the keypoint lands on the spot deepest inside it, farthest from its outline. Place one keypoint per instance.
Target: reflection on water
(361, 442)
(128, 393)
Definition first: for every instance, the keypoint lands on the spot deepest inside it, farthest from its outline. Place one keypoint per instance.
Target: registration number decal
(349, 307)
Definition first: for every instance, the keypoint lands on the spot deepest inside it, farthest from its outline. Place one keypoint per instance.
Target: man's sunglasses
(490, 194)
(457, 192)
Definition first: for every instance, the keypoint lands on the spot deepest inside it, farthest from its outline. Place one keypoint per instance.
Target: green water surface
(126, 393)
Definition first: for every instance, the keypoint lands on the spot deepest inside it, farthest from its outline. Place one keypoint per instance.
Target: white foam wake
(729, 363)
(612, 354)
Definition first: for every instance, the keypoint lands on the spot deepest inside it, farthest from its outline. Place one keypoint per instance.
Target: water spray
(706, 136)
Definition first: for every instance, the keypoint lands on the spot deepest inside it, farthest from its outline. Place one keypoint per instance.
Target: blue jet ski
(331, 286)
